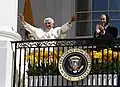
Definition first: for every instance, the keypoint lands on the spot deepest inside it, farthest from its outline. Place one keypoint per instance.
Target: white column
(8, 32)
(8, 14)
(6, 57)
(8, 20)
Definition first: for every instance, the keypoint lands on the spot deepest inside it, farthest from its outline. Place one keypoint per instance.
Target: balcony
(66, 63)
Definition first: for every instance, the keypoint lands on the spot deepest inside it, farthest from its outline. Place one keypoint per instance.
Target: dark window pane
(114, 15)
(94, 26)
(100, 5)
(114, 4)
(96, 15)
(83, 5)
(83, 16)
(83, 29)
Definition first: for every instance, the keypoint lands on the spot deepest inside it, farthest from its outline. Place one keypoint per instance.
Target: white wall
(8, 14)
(5, 64)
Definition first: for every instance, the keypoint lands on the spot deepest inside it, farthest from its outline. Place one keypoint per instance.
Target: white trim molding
(10, 35)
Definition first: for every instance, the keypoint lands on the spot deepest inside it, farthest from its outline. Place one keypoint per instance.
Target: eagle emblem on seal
(75, 64)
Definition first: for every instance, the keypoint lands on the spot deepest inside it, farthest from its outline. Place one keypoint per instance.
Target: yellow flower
(118, 56)
(98, 54)
(48, 57)
(99, 60)
(105, 51)
(109, 53)
(95, 54)
(115, 54)
(106, 55)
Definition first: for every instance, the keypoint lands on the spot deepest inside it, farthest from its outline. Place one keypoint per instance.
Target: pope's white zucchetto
(48, 20)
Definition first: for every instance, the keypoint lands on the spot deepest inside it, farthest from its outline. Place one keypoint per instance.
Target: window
(89, 11)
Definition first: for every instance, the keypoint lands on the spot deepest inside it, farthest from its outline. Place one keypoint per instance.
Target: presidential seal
(75, 64)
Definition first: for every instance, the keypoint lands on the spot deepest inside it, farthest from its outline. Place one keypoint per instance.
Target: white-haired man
(49, 32)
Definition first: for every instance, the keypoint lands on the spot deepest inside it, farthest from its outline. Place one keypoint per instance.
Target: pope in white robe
(49, 32)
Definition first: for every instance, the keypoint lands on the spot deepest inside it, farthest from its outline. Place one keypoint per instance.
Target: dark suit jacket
(107, 39)
(109, 32)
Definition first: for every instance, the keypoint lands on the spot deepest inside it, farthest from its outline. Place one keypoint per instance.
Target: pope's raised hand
(73, 18)
(21, 18)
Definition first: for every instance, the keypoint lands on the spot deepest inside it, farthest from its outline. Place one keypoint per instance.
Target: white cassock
(54, 33)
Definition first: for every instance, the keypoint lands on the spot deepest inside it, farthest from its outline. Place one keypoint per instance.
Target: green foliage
(106, 67)
(43, 69)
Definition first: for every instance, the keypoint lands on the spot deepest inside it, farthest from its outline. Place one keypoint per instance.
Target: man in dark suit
(105, 33)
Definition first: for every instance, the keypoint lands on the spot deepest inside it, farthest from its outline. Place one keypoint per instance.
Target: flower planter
(54, 80)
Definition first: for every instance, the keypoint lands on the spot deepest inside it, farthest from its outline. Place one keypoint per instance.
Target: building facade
(87, 11)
